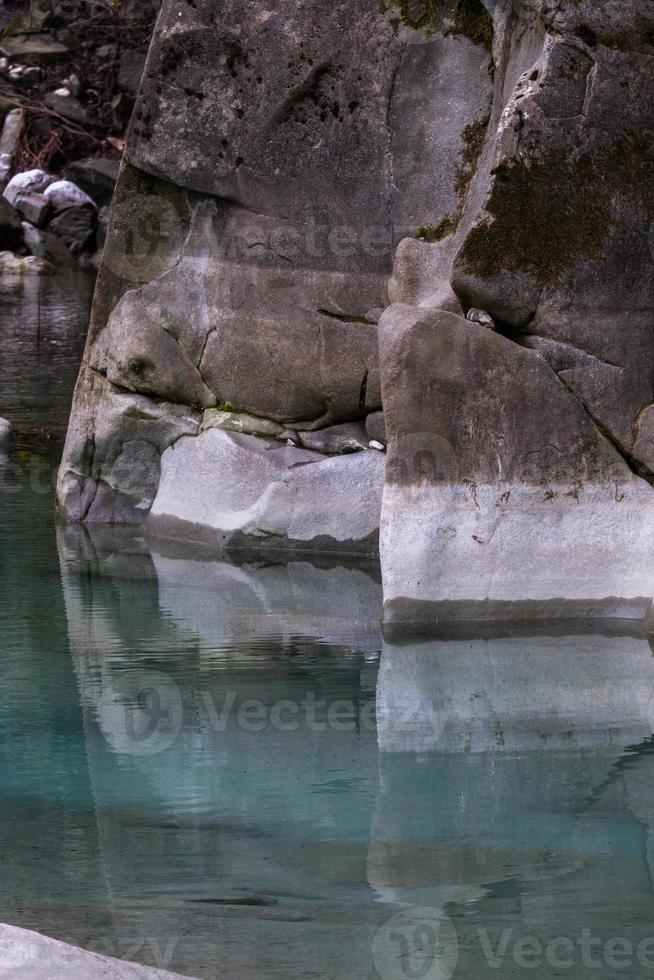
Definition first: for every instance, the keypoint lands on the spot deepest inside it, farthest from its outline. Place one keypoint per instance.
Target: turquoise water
(224, 769)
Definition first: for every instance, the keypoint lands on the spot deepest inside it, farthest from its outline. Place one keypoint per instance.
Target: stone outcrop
(519, 485)
(27, 955)
(290, 175)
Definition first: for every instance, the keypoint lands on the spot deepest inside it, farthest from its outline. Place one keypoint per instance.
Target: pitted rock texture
(291, 173)
(502, 497)
(274, 162)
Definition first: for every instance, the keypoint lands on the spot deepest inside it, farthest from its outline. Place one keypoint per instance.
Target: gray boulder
(31, 49)
(46, 246)
(29, 181)
(74, 226)
(503, 499)
(130, 70)
(96, 175)
(34, 207)
(65, 103)
(243, 491)
(490, 157)
(64, 194)
(11, 234)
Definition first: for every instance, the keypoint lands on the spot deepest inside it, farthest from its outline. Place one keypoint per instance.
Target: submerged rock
(26, 955)
(23, 264)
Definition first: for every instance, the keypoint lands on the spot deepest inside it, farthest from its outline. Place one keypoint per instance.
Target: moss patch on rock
(467, 18)
(472, 137)
(543, 216)
(435, 233)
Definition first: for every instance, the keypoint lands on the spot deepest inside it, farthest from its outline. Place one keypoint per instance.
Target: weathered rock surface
(11, 232)
(64, 194)
(502, 497)
(12, 128)
(74, 227)
(491, 157)
(97, 176)
(257, 276)
(241, 491)
(30, 181)
(26, 955)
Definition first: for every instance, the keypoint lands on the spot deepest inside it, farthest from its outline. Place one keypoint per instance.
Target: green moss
(435, 233)
(468, 18)
(473, 137)
(228, 407)
(474, 22)
(543, 217)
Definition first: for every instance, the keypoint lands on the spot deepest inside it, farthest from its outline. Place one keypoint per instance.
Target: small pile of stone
(59, 219)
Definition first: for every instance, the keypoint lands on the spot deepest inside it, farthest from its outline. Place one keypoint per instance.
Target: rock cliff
(439, 210)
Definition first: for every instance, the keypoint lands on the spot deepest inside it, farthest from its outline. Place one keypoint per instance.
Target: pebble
(481, 317)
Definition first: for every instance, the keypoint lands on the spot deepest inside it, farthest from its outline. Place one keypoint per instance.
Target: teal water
(225, 770)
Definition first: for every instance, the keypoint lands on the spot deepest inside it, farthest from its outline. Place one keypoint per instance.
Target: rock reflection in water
(505, 784)
(43, 321)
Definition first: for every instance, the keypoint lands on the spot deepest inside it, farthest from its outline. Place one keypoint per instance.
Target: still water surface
(226, 770)
(42, 330)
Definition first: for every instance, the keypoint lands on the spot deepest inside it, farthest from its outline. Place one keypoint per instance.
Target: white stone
(17, 264)
(227, 484)
(379, 446)
(28, 180)
(474, 546)
(27, 955)
(63, 194)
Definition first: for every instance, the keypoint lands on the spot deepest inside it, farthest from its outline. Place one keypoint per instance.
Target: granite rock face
(520, 485)
(292, 173)
(271, 171)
